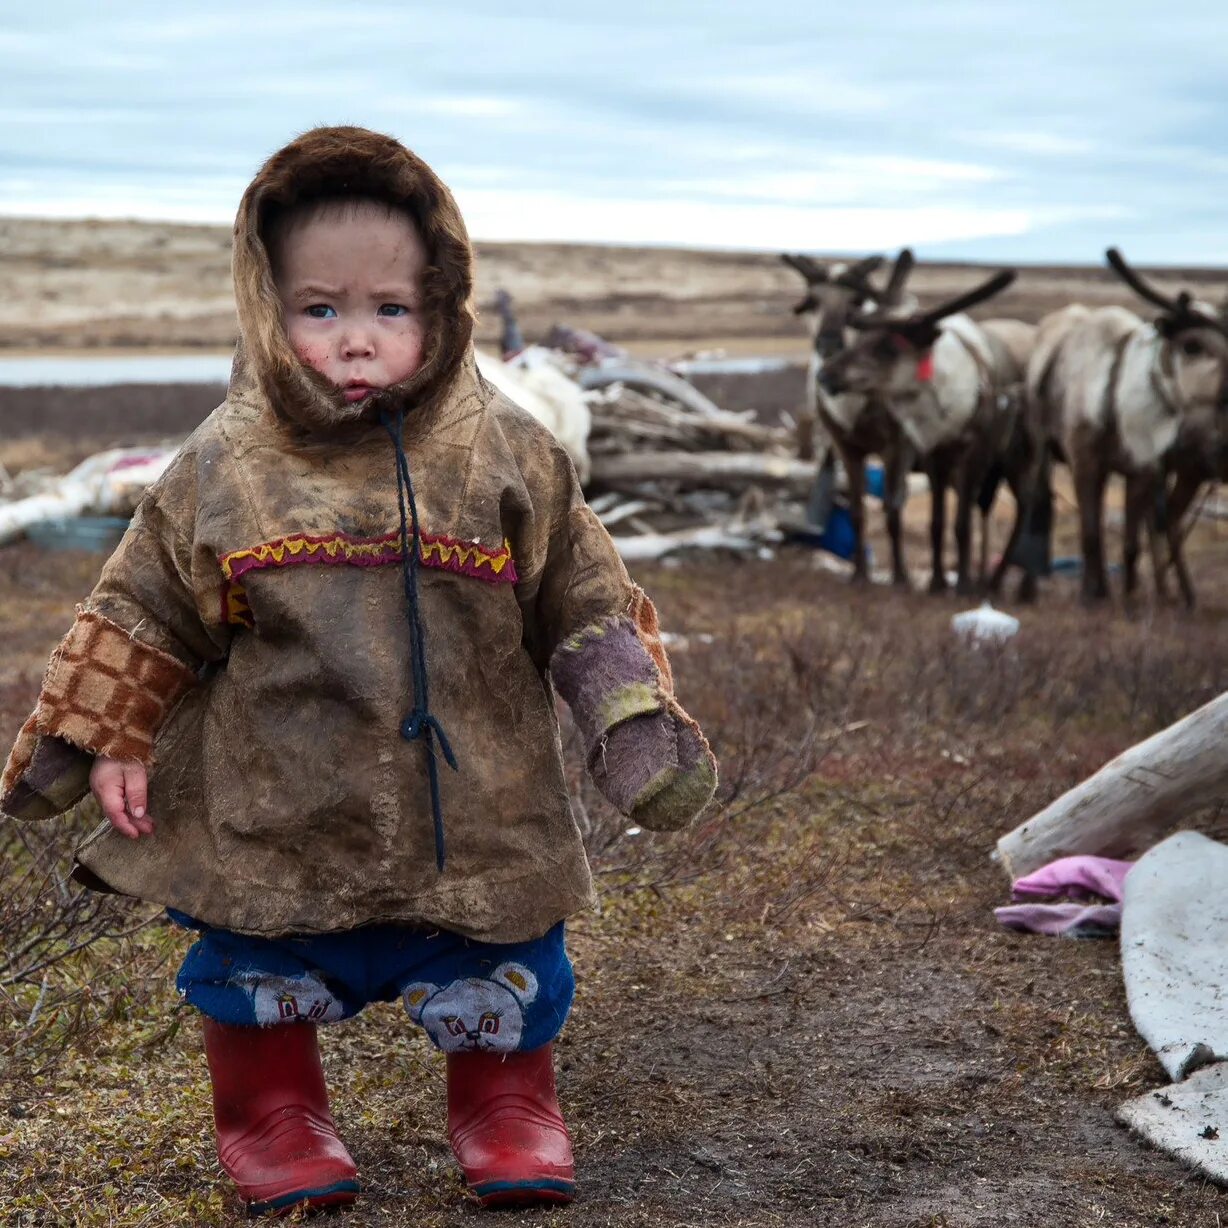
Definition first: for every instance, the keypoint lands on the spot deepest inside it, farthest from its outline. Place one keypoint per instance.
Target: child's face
(350, 287)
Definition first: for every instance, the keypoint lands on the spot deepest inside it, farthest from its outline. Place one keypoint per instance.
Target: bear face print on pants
(476, 1014)
(292, 999)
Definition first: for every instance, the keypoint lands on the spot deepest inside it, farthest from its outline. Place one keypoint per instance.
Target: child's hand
(122, 789)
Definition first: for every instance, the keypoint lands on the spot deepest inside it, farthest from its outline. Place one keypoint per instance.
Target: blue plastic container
(838, 537)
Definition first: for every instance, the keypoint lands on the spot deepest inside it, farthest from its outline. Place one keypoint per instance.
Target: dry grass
(799, 1011)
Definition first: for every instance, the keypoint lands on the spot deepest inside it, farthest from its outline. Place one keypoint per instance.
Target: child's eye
(320, 311)
(393, 309)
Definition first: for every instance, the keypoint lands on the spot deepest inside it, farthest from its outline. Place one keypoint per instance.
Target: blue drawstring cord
(419, 723)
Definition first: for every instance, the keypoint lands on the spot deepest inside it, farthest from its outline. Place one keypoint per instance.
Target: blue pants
(467, 995)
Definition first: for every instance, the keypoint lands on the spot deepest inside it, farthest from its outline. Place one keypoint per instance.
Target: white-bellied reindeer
(1115, 394)
(855, 426)
(943, 380)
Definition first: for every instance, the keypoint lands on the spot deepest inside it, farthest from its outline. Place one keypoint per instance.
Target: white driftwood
(625, 420)
(647, 378)
(745, 538)
(704, 468)
(1132, 801)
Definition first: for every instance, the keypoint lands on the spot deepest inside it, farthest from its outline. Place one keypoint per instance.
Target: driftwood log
(632, 420)
(1133, 800)
(721, 469)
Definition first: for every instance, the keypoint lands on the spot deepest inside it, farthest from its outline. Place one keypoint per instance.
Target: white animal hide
(533, 381)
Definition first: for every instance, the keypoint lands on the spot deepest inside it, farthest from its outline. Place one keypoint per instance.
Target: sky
(995, 130)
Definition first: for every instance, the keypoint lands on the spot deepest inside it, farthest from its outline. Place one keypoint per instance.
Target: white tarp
(1174, 955)
(107, 484)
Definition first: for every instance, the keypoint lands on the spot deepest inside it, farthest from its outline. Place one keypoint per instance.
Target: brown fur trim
(643, 615)
(348, 161)
(44, 777)
(107, 692)
(679, 713)
(19, 758)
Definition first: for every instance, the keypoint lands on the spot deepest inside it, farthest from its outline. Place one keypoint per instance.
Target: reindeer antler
(854, 277)
(899, 275)
(807, 266)
(1181, 308)
(1117, 262)
(962, 302)
(927, 319)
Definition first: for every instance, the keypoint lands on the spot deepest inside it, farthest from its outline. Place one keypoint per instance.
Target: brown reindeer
(942, 379)
(856, 426)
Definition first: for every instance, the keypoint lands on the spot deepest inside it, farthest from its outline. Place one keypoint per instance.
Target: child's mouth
(358, 392)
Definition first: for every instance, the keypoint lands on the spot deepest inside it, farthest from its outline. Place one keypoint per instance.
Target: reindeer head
(1193, 360)
(833, 292)
(893, 357)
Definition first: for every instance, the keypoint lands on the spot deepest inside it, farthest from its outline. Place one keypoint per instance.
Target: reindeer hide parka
(249, 639)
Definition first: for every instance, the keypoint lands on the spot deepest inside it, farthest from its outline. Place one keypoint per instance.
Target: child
(313, 690)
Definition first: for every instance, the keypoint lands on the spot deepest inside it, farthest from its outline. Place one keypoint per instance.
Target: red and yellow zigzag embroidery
(342, 549)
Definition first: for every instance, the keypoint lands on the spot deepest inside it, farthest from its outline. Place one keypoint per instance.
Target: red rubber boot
(275, 1135)
(506, 1128)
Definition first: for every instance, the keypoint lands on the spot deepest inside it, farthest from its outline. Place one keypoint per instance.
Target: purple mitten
(656, 769)
(628, 762)
(644, 753)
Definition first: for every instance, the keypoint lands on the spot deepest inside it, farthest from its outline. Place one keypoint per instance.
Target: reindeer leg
(1156, 541)
(982, 579)
(986, 495)
(1023, 489)
(966, 487)
(1090, 479)
(939, 471)
(1179, 502)
(855, 467)
(1140, 505)
(1033, 501)
(897, 462)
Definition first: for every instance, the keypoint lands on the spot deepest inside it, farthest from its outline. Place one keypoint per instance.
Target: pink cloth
(1075, 877)
(1080, 883)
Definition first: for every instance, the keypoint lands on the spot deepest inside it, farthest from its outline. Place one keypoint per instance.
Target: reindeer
(855, 426)
(939, 375)
(1114, 394)
(1017, 457)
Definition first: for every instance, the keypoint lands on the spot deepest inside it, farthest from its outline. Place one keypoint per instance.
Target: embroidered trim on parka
(343, 549)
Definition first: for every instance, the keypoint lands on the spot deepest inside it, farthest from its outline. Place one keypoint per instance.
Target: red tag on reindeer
(925, 367)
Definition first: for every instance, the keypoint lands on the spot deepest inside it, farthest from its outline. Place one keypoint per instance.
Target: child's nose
(357, 342)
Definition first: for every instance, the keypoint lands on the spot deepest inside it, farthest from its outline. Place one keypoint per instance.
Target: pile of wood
(668, 474)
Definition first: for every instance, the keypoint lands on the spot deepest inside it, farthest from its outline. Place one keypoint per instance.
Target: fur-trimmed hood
(344, 161)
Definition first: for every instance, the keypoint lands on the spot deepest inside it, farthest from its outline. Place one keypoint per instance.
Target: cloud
(1044, 143)
(993, 130)
(471, 107)
(531, 215)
